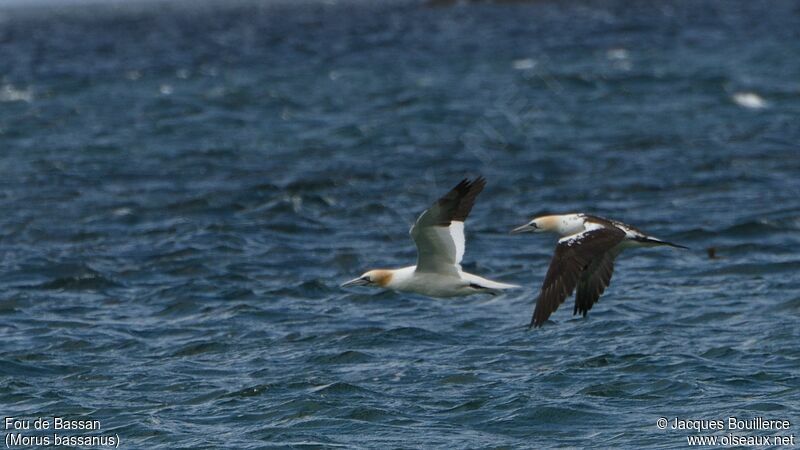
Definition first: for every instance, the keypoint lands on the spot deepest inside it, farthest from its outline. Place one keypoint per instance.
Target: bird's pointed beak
(528, 227)
(356, 282)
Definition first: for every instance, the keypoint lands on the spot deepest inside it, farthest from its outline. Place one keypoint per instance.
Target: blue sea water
(185, 185)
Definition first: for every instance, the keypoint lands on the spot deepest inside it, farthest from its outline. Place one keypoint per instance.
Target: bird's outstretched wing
(594, 281)
(573, 256)
(439, 231)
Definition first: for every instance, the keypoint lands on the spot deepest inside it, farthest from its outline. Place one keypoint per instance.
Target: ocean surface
(184, 186)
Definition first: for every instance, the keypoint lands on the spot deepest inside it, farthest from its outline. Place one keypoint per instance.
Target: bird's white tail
(649, 240)
(487, 284)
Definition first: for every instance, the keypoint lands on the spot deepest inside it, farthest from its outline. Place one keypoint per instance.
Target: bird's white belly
(434, 285)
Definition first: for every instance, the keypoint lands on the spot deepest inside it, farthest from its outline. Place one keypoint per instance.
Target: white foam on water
(523, 64)
(9, 93)
(749, 100)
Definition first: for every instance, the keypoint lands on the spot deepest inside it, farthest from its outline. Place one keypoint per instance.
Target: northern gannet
(439, 236)
(584, 258)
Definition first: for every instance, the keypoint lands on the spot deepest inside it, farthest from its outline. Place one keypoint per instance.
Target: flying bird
(439, 236)
(584, 259)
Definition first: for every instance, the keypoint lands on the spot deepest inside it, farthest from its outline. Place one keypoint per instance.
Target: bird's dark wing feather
(457, 204)
(594, 281)
(572, 257)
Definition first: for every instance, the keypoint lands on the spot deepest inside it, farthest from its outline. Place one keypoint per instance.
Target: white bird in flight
(439, 236)
(584, 258)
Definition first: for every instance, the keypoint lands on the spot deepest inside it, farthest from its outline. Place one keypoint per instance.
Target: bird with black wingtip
(583, 259)
(439, 236)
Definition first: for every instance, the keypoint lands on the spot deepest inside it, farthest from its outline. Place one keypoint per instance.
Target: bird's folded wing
(439, 232)
(573, 255)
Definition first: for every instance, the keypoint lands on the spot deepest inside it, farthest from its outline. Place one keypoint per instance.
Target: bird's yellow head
(377, 277)
(540, 224)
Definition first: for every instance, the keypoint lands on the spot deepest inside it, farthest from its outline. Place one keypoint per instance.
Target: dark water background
(185, 185)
